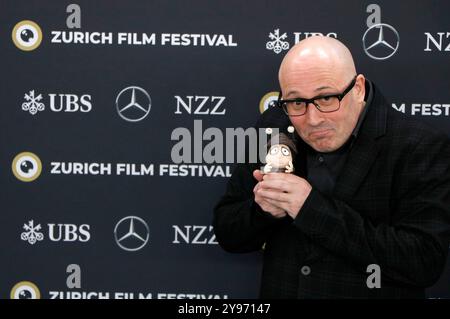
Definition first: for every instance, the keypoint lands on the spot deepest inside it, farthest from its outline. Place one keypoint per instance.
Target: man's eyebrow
(292, 93)
(322, 88)
(316, 90)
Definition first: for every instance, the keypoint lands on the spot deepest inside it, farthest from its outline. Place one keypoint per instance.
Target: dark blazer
(390, 207)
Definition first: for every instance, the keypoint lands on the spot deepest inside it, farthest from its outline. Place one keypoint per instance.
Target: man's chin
(324, 143)
(323, 146)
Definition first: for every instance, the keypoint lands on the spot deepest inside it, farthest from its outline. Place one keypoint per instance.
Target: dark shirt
(323, 168)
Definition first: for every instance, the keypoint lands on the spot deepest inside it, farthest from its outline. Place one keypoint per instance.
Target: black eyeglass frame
(280, 103)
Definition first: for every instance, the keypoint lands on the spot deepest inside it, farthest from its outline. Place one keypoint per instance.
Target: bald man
(367, 212)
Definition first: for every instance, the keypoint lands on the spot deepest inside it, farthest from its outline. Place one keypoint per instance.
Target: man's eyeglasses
(324, 103)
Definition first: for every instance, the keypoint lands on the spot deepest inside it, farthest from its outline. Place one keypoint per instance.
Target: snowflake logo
(31, 233)
(277, 44)
(33, 104)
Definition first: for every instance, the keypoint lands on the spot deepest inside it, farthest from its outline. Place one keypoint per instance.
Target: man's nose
(313, 115)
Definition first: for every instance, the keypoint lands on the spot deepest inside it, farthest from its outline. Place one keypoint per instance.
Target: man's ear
(360, 88)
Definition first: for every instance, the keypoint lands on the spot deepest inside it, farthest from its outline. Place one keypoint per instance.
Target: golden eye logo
(25, 290)
(26, 167)
(267, 101)
(27, 35)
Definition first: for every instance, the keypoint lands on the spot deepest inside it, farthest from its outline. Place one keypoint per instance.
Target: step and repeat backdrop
(101, 100)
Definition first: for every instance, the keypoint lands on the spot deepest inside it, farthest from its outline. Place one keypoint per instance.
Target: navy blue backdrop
(92, 92)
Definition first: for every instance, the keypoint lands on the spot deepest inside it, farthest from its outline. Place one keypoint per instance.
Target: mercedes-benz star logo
(381, 45)
(133, 104)
(131, 233)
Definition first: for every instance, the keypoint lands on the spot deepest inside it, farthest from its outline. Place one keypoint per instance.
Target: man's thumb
(258, 175)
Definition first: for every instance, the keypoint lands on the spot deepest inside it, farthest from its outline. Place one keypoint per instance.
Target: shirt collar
(368, 99)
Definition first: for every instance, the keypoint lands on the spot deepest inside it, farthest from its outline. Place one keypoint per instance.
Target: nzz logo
(200, 105)
(34, 102)
(194, 234)
(56, 232)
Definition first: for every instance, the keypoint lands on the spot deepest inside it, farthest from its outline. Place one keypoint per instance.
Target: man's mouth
(320, 133)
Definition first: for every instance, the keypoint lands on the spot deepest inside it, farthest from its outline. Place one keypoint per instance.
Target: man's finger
(277, 184)
(258, 175)
(274, 195)
(257, 186)
(277, 204)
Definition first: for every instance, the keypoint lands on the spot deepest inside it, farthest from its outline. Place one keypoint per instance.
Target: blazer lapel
(359, 161)
(365, 149)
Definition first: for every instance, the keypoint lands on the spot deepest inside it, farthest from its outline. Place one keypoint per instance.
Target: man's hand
(262, 202)
(287, 192)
